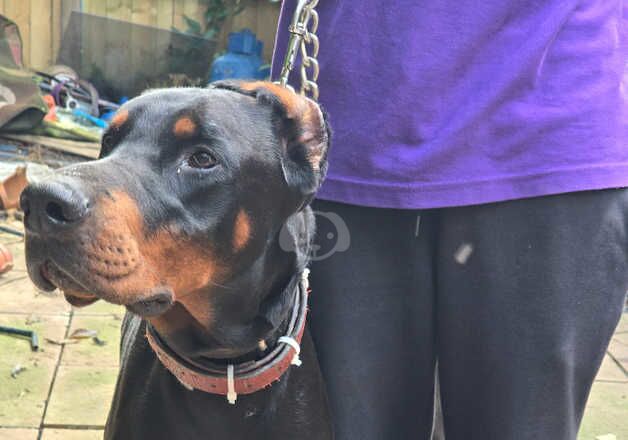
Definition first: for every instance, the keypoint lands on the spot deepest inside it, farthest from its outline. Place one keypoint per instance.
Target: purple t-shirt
(439, 103)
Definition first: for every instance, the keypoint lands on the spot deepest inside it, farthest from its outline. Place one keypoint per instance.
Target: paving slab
(22, 398)
(86, 352)
(100, 308)
(622, 327)
(18, 293)
(20, 296)
(18, 434)
(621, 337)
(81, 396)
(72, 434)
(611, 372)
(607, 412)
(619, 350)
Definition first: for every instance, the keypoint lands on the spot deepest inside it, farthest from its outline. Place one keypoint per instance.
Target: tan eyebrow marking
(119, 119)
(185, 127)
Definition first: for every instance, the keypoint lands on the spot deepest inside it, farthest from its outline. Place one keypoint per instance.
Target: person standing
(479, 163)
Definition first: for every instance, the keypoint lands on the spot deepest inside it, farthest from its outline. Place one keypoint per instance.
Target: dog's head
(190, 187)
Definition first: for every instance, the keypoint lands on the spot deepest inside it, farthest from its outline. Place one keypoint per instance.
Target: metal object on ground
(11, 231)
(34, 340)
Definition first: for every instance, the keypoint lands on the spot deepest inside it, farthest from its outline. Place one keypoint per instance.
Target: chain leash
(303, 39)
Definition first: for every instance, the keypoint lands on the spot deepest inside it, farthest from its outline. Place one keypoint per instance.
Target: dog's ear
(302, 128)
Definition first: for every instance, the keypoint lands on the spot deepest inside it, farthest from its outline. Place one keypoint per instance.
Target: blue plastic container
(243, 59)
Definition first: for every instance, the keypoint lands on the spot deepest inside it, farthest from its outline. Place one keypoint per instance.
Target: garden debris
(11, 231)
(12, 187)
(67, 126)
(87, 150)
(79, 335)
(34, 340)
(16, 176)
(75, 110)
(16, 370)
(62, 341)
(6, 260)
(10, 151)
(22, 106)
(83, 333)
(96, 340)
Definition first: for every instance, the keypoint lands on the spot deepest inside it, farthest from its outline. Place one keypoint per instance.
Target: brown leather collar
(247, 377)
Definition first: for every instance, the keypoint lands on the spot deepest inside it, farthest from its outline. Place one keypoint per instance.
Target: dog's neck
(241, 318)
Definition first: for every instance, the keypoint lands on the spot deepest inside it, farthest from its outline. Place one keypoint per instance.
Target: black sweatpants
(517, 301)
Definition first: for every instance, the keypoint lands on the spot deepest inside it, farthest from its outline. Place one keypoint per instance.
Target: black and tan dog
(179, 220)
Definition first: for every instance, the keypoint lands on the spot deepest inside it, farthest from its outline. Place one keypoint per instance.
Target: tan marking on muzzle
(133, 262)
(241, 230)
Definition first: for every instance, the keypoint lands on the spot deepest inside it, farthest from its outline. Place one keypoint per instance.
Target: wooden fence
(42, 22)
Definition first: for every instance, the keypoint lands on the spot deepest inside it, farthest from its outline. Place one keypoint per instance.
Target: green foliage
(194, 27)
(216, 13)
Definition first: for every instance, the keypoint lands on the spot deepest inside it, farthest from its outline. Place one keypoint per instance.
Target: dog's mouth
(79, 300)
(52, 277)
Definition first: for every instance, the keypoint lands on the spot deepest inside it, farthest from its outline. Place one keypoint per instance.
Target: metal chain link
(303, 39)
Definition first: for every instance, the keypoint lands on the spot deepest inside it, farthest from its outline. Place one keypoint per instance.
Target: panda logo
(335, 239)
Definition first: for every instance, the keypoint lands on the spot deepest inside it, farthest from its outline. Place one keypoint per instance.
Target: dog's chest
(149, 402)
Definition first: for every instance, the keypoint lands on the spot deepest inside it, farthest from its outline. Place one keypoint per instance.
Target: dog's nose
(52, 206)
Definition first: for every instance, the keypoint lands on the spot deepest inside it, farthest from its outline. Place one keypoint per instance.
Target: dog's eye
(202, 159)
